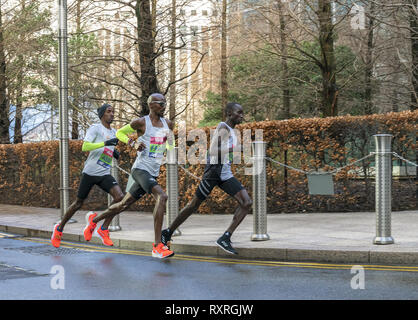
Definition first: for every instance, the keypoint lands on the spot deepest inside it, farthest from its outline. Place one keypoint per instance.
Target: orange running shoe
(104, 235)
(56, 236)
(89, 229)
(161, 251)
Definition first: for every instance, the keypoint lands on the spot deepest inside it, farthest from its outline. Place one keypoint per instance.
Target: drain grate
(13, 272)
(47, 250)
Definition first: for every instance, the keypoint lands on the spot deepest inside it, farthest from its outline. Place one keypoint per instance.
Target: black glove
(116, 154)
(111, 142)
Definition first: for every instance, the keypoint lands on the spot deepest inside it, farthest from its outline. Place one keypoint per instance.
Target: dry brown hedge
(29, 173)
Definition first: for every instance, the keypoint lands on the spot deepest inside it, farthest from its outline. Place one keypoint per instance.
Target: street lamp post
(63, 105)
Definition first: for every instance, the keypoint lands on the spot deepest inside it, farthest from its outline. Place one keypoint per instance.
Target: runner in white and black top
(153, 134)
(218, 173)
(100, 142)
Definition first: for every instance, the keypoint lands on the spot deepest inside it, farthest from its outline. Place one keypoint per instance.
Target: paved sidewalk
(313, 237)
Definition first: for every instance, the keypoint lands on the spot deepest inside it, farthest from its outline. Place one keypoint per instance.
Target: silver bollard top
(383, 142)
(172, 155)
(383, 135)
(259, 148)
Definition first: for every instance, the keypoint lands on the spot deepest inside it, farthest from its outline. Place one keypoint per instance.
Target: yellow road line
(94, 248)
(2, 235)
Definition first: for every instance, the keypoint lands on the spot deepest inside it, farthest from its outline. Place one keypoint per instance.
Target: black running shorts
(211, 178)
(105, 183)
(144, 182)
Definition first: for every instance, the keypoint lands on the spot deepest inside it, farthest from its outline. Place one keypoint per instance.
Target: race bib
(105, 159)
(157, 147)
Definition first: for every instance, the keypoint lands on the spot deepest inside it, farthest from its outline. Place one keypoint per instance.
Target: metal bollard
(259, 192)
(172, 188)
(383, 196)
(114, 225)
(63, 108)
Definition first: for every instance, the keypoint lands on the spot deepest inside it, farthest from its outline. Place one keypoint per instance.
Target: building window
(204, 12)
(194, 30)
(193, 13)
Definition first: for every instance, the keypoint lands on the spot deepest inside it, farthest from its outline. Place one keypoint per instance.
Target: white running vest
(154, 138)
(226, 172)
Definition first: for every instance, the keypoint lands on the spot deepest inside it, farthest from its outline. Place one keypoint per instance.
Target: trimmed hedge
(29, 173)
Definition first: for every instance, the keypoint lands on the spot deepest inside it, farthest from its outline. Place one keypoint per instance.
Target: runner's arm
(89, 146)
(122, 133)
(138, 126)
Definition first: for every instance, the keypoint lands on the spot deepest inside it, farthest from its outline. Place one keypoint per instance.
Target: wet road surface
(32, 269)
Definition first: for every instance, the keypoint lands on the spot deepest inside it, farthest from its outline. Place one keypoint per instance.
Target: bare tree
(413, 25)
(172, 113)
(4, 103)
(391, 26)
(146, 44)
(284, 53)
(224, 58)
(24, 37)
(327, 63)
(140, 39)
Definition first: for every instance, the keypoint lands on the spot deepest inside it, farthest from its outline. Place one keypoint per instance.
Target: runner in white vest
(100, 142)
(153, 132)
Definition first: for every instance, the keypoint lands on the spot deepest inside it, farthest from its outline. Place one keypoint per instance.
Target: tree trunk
(224, 82)
(148, 78)
(154, 17)
(286, 181)
(4, 104)
(173, 62)
(326, 40)
(74, 115)
(74, 122)
(413, 23)
(285, 68)
(368, 108)
(17, 137)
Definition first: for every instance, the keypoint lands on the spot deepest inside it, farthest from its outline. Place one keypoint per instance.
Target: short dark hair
(230, 106)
